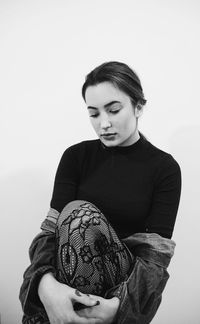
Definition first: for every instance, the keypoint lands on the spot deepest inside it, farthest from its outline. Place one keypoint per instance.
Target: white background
(46, 49)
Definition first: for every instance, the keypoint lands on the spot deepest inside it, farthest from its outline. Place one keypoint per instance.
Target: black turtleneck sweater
(137, 187)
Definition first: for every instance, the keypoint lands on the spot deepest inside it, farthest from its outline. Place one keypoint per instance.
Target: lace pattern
(91, 257)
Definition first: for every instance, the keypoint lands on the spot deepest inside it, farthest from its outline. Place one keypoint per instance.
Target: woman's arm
(140, 296)
(165, 198)
(59, 301)
(42, 251)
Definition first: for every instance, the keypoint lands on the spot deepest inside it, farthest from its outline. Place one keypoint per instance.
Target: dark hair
(121, 76)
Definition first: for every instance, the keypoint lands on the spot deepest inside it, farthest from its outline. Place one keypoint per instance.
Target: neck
(132, 139)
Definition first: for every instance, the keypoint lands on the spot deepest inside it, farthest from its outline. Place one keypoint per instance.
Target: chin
(111, 143)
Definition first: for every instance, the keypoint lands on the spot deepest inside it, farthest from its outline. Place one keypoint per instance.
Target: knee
(80, 213)
(74, 209)
(74, 204)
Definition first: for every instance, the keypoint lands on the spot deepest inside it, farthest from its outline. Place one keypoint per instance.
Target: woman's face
(111, 112)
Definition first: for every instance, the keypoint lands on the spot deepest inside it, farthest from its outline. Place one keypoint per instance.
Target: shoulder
(164, 159)
(81, 148)
(167, 167)
(87, 144)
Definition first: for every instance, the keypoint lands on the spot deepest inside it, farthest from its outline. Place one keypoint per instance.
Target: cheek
(127, 122)
(94, 123)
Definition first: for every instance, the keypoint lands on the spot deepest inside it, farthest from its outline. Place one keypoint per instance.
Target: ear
(138, 110)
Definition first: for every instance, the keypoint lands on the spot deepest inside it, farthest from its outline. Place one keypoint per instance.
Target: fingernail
(78, 293)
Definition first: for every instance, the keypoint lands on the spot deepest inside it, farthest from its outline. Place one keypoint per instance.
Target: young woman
(105, 245)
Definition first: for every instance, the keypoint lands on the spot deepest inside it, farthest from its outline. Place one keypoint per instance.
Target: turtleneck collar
(127, 148)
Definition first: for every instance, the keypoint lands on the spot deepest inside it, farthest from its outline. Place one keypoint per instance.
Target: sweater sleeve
(166, 197)
(42, 252)
(66, 179)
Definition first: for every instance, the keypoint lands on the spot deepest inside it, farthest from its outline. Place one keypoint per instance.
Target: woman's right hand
(58, 300)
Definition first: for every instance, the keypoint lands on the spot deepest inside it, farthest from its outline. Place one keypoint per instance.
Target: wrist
(46, 282)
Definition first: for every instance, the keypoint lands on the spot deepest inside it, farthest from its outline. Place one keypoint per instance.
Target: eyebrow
(106, 105)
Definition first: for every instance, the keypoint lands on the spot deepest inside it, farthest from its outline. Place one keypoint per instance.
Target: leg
(90, 256)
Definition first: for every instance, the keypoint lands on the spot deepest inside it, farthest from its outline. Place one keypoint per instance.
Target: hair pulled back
(121, 76)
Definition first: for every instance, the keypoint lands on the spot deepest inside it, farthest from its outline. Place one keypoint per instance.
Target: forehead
(102, 93)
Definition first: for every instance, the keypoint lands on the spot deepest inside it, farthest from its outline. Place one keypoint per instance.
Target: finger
(84, 299)
(86, 312)
(81, 313)
(82, 320)
(79, 294)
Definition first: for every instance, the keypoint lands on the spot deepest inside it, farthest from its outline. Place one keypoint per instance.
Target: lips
(109, 136)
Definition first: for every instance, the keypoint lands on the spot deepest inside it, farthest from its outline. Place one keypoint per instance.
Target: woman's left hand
(105, 312)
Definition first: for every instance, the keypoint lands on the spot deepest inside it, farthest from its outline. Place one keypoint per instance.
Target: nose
(105, 122)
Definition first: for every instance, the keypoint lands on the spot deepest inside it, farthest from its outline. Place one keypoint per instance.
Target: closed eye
(114, 111)
(94, 116)
(111, 111)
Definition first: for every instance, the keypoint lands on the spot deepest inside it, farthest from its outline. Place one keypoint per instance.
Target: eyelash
(112, 112)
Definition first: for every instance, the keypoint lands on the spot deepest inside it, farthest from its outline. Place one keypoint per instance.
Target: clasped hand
(59, 300)
(104, 311)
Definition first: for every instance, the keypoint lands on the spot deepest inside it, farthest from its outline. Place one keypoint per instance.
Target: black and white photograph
(99, 176)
